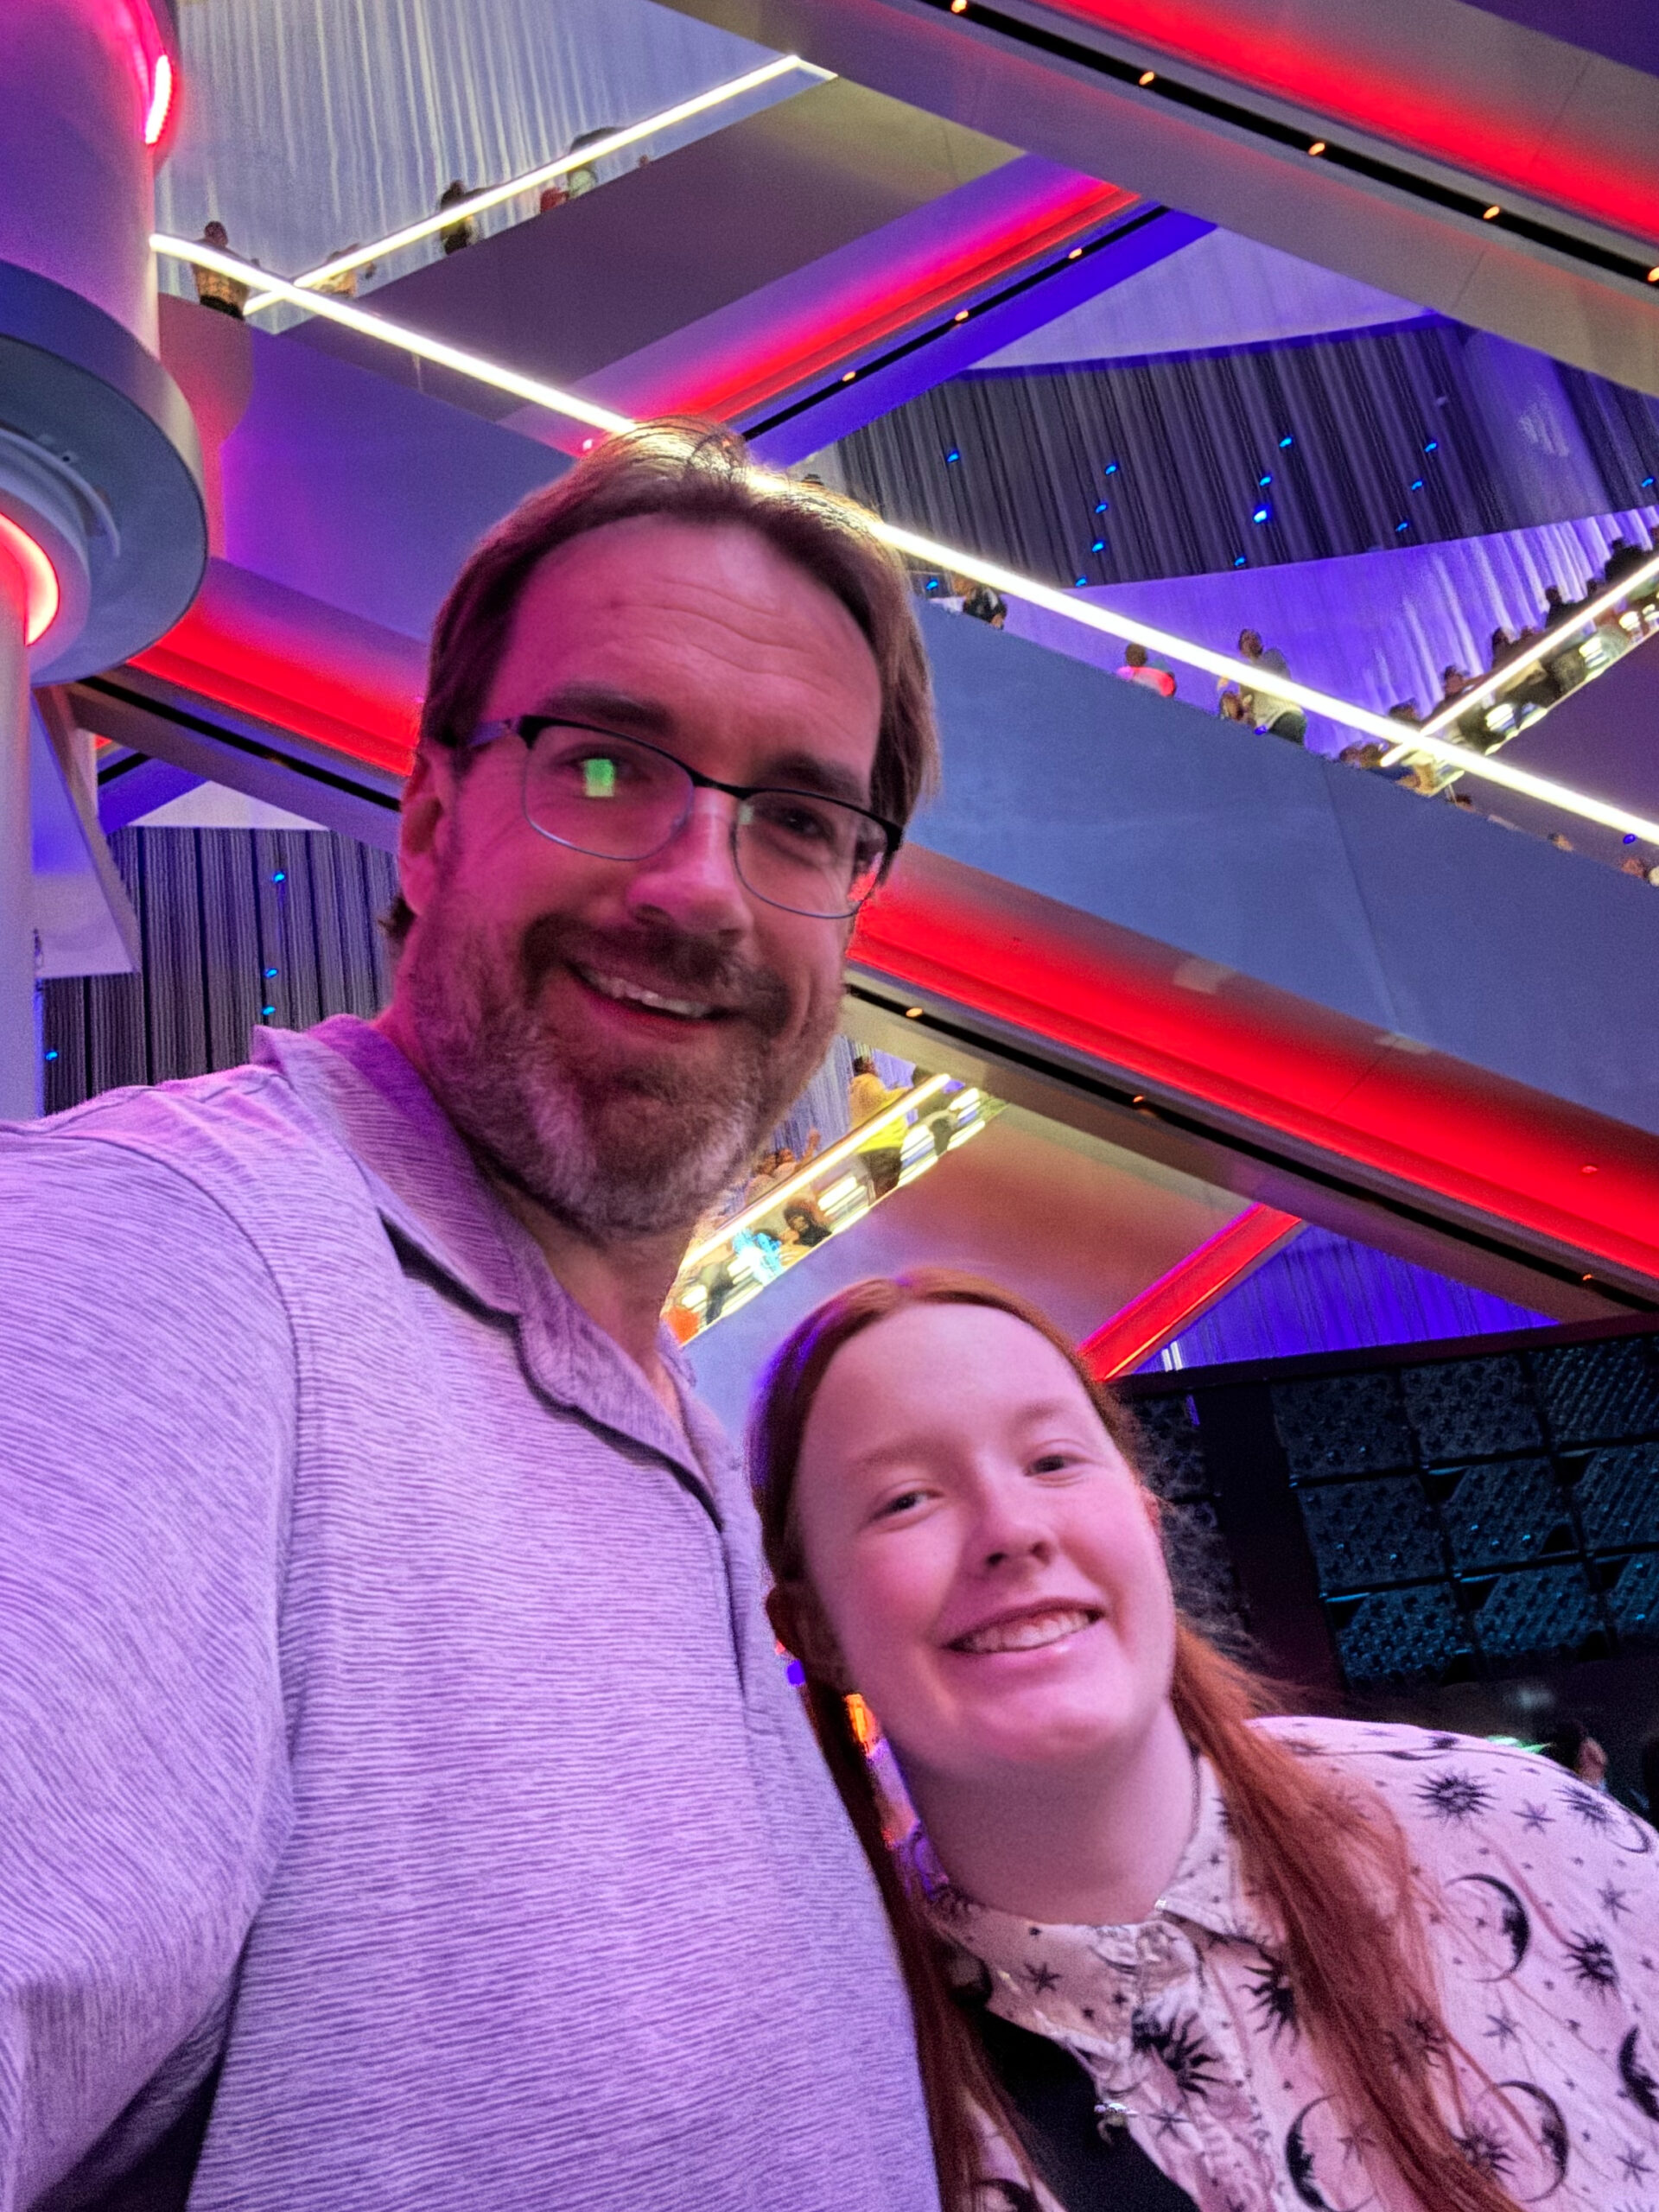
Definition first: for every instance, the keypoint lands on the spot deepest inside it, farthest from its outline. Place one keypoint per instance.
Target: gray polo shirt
(391, 1742)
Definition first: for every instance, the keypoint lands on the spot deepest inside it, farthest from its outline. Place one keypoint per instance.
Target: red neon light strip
(1190, 1288)
(298, 664)
(1367, 70)
(732, 389)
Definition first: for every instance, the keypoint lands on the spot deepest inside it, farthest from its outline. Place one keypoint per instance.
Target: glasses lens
(813, 856)
(603, 794)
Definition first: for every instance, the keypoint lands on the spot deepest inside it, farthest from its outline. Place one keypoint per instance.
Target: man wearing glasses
(400, 1800)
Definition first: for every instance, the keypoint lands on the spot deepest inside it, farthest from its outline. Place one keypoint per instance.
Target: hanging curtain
(1202, 463)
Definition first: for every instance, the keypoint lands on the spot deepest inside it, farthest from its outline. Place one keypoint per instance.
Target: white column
(18, 1044)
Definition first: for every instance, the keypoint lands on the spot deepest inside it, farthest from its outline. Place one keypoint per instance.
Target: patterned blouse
(1543, 1903)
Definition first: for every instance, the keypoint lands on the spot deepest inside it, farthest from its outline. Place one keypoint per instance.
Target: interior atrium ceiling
(346, 478)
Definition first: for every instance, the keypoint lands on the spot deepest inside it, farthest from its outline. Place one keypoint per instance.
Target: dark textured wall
(220, 910)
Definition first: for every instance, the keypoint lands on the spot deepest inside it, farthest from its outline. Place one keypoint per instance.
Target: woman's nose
(1012, 1526)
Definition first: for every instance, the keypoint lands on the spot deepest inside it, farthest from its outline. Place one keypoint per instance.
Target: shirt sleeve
(146, 1424)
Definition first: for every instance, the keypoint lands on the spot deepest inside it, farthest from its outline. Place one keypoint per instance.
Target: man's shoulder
(238, 1132)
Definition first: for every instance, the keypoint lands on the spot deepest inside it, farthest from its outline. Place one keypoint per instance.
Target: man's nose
(692, 881)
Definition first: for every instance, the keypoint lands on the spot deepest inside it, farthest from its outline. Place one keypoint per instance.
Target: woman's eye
(902, 1503)
(1051, 1463)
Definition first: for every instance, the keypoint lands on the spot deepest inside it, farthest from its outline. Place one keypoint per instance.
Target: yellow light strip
(1480, 695)
(492, 195)
(843, 1148)
(394, 334)
(1480, 765)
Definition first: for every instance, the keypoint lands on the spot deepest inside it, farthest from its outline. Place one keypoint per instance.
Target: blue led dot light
(1647, 483)
(1099, 546)
(265, 1013)
(955, 454)
(1262, 482)
(1111, 468)
(1417, 483)
(271, 975)
(1262, 514)
(1399, 526)
(1104, 507)
(280, 876)
(1630, 837)
(1434, 446)
(1238, 560)
(1082, 581)
(53, 1054)
(1286, 442)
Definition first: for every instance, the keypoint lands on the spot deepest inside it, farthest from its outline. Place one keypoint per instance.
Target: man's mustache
(673, 962)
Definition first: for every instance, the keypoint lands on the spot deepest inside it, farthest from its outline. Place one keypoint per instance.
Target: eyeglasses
(621, 799)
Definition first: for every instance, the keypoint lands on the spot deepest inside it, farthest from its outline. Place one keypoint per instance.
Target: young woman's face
(983, 1556)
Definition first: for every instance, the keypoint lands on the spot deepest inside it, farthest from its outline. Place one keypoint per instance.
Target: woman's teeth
(1029, 1632)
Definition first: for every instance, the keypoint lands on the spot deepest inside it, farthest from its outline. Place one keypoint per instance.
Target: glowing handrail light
(972, 565)
(1550, 644)
(843, 1148)
(394, 334)
(492, 195)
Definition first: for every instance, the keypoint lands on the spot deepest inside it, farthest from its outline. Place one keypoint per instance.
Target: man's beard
(616, 1150)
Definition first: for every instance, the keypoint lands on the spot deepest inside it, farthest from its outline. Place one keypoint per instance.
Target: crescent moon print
(1531, 2166)
(1300, 2163)
(1513, 1923)
(1639, 2085)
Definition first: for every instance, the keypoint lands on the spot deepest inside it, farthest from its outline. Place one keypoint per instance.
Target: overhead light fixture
(161, 99)
(265, 293)
(934, 556)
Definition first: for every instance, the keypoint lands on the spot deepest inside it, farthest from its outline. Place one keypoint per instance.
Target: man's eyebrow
(805, 771)
(610, 708)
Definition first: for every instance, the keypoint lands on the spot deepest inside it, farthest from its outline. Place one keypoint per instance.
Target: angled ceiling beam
(1426, 114)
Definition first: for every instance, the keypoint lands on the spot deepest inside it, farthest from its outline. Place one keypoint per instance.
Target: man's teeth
(1029, 1632)
(612, 987)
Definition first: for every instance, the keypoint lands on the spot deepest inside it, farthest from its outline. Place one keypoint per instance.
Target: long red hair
(1337, 1878)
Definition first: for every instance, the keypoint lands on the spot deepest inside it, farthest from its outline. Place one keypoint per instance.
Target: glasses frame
(529, 728)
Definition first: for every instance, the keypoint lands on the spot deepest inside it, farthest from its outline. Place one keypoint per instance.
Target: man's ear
(798, 1623)
(426, 824)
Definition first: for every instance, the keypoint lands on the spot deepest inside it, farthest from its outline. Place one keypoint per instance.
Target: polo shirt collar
(434, 1199)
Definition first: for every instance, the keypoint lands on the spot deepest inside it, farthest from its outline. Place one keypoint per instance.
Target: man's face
(518, 985)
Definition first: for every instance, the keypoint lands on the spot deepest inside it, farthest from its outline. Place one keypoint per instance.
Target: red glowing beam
(1366, 69)
(299, 664)
(1189, 1289)
(1319, 1084)
(823, 335)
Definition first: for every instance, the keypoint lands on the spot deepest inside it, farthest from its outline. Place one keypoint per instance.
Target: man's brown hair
(689, 471)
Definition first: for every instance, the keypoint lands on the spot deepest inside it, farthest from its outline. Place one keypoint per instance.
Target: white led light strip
(1484, 767)
(393, 333)
(268, 295)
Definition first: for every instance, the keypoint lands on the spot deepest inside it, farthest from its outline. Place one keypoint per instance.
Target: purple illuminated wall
(1325, 1293)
